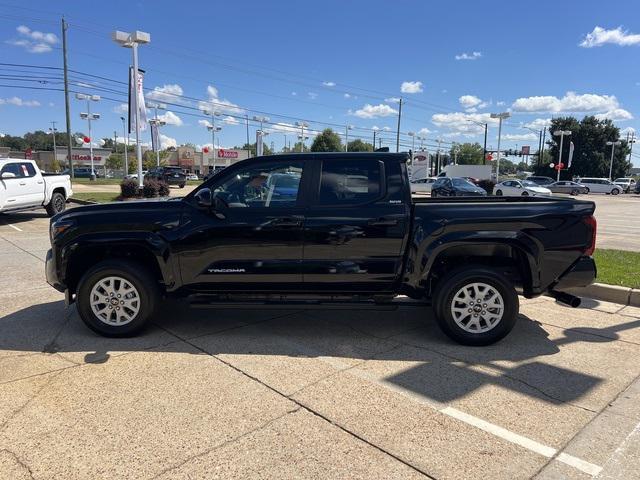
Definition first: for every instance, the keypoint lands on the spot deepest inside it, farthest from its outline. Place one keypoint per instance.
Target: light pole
(89, 117)
(500, 117)
(53, 131)
(346, 137)
(375, 130)
(613, 146)
(561, 134)
(302, 138)
(132, 40)
(213, 129)
(260, 142)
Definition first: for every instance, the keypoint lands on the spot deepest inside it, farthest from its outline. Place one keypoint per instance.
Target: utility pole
(374, 139)
(544, 139)
(246, 118)
(66, 95)
(398, 132)
(484, 150)
(53, 132)
(630, 142)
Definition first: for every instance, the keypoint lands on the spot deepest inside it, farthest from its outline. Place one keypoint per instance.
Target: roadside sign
(526, 149)
(489, 157)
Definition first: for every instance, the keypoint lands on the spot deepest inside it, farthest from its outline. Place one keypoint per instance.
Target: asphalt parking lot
(310, 394)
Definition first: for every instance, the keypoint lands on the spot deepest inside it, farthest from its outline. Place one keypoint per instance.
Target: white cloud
(34, 41)
(347, 95)
(215, 103)
(290, 128)
(386, 129)
(411, 87)
(312, 95)
(294, 94)
(616, 36)
(121, 108)
(19, 102)
(329, 84)
(229, 120)
(166, 142)
(204, 123)
(468, 101)
(538, 123)
(515, 137)
(571, 102)
(169, 93)
(171, 119)
(374, 111)
(469, 56)
(424, 131)
(627, 131)
(501, 103)
(462, 123)
(392, 100)
(615, 114)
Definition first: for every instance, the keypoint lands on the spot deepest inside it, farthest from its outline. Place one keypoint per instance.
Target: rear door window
(350, 182)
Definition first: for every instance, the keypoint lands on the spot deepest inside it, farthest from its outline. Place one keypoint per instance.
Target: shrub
(487, 185)
(163, 189)
(129, 188)
(150, 188)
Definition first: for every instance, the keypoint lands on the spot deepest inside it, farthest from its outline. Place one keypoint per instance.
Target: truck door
(254, 241)
(355, 226)
(19, 185)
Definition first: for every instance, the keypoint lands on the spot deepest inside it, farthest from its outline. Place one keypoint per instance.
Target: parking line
(14, 227)
(503, 433)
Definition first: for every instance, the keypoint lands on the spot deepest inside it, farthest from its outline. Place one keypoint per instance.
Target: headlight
(59, 227)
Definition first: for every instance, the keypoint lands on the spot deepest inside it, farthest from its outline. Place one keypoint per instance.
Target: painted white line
(14, 227)
(500, 432)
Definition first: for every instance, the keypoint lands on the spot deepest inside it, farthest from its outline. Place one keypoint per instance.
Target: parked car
(23, 187)
(135, 175)
(542, 181)
(456, 187)
(519, 188)
(600, 185)
(226, 243)
(627, 184)
(568, 187)
(168, 175)
(193, 177)
(423, 185)
(81, 172)
(637, 188)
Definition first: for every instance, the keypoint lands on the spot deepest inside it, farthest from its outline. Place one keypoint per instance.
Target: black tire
(57, 204)
(449, 287)
(138, 276)
(575, 192)
(525, 194)
(182, 185)
(615, 191)
(498, 193)
(587, 191)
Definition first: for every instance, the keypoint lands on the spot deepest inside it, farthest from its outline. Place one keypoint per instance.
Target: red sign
(559, 166)
(489, 157)
(205, 149)
(75, 156)
(227, 153)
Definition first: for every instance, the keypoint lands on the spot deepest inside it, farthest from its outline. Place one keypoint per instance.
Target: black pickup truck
(319, 230)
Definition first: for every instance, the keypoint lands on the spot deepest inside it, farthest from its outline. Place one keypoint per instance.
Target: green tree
(295, 148)
(327, 141)
(358, 145)
(149, 159)
(468, 153)
(55, 165)
(266, 150)
(115, 161)
(507, 167)
(591, 156)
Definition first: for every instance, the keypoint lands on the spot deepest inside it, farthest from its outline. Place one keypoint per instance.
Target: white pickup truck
(23, 187)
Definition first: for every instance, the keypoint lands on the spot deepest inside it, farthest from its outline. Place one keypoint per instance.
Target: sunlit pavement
(308, 394)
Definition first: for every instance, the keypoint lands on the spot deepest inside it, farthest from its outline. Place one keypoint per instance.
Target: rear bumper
(581, 274)
(52, 273)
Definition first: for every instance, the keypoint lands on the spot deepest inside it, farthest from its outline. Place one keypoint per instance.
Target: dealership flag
(141, 107)
(155, 140)
(570, 155)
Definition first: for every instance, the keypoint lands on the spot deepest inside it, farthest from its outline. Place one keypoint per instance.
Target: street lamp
(561, 134)
(484, 149)
(126, 146)
(132, 40)
(88, 116)
(346, 137)
(302, 138)
(260, 134)
(500, 117)
(213, 129)
(613, 146)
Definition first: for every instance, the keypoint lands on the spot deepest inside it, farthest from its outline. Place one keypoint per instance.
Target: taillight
(590, 221)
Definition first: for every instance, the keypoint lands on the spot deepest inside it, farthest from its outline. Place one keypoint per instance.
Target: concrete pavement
(308, 394)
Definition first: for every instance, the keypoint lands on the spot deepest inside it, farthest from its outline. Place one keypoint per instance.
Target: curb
(81, 202)
(609, 293)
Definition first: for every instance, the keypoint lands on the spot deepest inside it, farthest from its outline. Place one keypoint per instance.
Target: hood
(539, 189)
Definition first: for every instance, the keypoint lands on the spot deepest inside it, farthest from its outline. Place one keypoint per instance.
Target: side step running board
(205, 301)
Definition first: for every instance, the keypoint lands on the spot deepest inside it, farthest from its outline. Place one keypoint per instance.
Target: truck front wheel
(117, 298)
(475, 306)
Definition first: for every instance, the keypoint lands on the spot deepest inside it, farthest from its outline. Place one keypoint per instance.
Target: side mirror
(204, 198)
(8, 175)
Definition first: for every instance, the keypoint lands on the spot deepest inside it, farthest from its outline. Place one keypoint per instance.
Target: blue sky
(331, 63)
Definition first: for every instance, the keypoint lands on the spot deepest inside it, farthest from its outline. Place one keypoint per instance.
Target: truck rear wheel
(117, 298)
(475, 305)
(56, 205)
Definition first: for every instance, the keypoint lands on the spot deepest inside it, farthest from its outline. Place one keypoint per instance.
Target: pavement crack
(19, 461)
(20, 248)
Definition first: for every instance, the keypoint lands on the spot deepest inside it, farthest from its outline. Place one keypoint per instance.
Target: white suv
(627, 184)
(600, 185)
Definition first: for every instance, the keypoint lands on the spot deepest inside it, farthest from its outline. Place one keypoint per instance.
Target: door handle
(286, 222)
(23, 183)
(383, 222)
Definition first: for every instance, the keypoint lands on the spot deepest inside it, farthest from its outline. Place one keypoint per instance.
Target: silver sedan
(568, 187)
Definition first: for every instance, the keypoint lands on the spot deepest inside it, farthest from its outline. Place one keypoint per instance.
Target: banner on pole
(570, 154)
(155, 138)
(132, 101)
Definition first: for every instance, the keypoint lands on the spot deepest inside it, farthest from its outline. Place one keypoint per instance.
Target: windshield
(622, 180)
(529, 183)
(461, 182)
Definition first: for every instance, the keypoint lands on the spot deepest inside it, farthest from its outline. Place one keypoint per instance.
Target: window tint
(13, 168)
(349, 182)
(275, 185)
(439, 182)
(28, 170)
